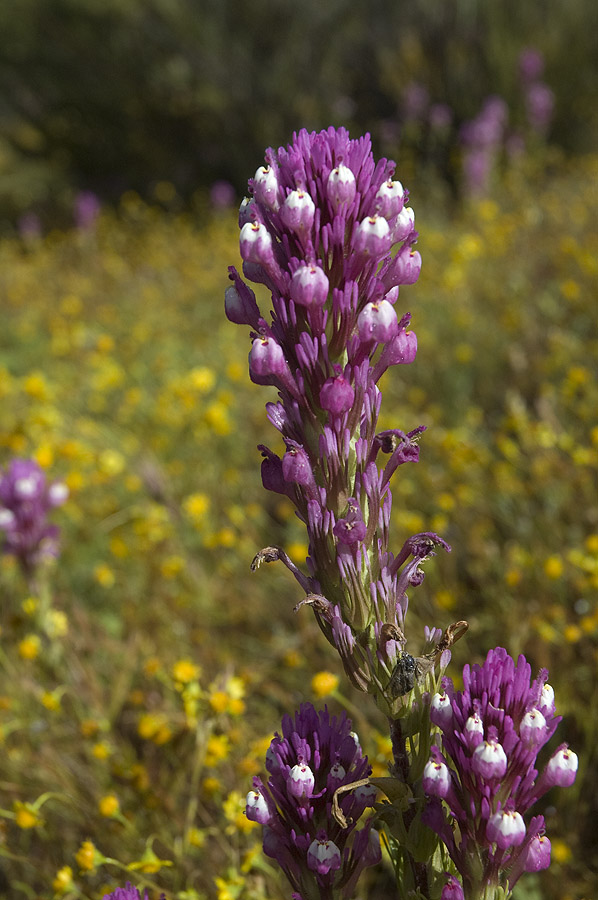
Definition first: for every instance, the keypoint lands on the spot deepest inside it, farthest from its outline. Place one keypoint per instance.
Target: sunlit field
(146, 668)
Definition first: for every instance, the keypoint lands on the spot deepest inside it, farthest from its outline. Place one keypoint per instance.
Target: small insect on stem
(410, 669)
(403, 677)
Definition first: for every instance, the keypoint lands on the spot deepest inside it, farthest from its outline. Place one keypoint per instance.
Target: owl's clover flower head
(127, 893)
(329, 232)
(314, 756)
(26, 499)
(491, 734)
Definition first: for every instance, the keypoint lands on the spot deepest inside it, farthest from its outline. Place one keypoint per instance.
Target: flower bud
(366, 794)
(323, 855)
(506, 829)
(298, 211)
(538, 854)
(255, 243)
(452, 890)
(562, 768)
(341, 186)
(533, 730)
(296, 466)
(265, 187)
(8, 520)
(436, 780)
(336, 395)
(337, 773)
(266, 357)
(372, 237)
(441, 711)
(300, 781)
(58, 493)
(240, 308)
(28, 486)
(474, 731)
(403, 225)
(489, 760)
(390, 198)
(546, 704)
(377, 322)
(247, 211)
(404, 268)
(256, 809)
(352, 529)
(309, 286)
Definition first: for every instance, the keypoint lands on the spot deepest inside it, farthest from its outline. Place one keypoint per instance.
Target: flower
(329, 232)
(127, 893)
(499, 723)
(25, 501)
(315, 756)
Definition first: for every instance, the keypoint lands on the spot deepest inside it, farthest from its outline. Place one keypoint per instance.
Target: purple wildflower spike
(491, 737)
(127, 893)
(329, 232)
(25, 501)
(314, 756)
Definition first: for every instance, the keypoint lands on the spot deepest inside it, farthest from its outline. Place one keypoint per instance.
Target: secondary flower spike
(315, 755)
(485, 771)
(25, 501)
(328, 231)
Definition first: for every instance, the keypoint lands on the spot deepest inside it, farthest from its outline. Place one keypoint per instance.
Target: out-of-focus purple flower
(415, 101)
(498, 724)
(86, 210)
(440, 116)
(314, 756)
(26, 498)
(330, 233)
(539, 104)
(222, 195)
(531, 65)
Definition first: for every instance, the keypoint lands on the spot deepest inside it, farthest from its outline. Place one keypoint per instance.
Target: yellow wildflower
(553, 567)
(217, 749)
(104, 575)
(63, 880)
(51, 700)
(26, 815)
(87, 856)
(101, 750)
(185, 670)
(324, 683)
(561, 852)
(29, 647)
(196, 837)
(109, 805)
(149, 863)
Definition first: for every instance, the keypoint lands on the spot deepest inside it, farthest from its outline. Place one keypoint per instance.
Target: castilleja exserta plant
(330, 234)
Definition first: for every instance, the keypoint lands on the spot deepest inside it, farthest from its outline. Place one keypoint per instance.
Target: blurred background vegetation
(138, 122)
(112, 95)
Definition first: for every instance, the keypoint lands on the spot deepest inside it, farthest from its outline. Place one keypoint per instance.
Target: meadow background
(143, 674)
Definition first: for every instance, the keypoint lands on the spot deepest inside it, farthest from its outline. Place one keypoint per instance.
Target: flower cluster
(492, 732)
(318, 232)
(314, 758)
(127, 893)
(25, 501)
